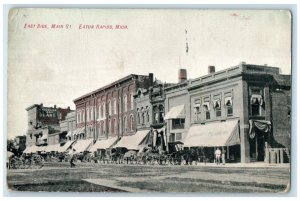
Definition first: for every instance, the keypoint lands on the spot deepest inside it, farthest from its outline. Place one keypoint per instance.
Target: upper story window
(206, 108)
(178, 123)
(125, 101)
(92, 113)
(131, 122)
(228, 105)
(125, 124)
(197, 109)
(88, 114)
(131, 101)
(256, 102)
(103, 110)
(120, 105)
(115, 106)
(109, 108)
(99, 112)
(217, 107)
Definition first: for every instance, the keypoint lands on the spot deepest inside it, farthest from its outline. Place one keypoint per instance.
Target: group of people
(218, 155)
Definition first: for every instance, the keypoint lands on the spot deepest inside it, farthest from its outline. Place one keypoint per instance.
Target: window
(228, 105)
(197, 111)
(115, 106)
(217, 107)
(131, 101)
(147, 117)
(120, 105)
(116, 126)
(92, 113)
(125, 124)
(131, 123)
(103, 110)
(207, 115)
(109, 107)
(256, 102)
(120, 126)
(125, 102)
(178, 123)
(178, 136)
(108, 127)
(100, 111)
(113, 126)
(138, 118)
(172, 137)
(143, 118)
(88, 115)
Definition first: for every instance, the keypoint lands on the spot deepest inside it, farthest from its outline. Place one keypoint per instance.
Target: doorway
(257, 147)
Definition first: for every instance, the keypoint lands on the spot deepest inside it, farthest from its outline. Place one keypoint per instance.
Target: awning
(53, 147)
(175, 113)
(66, 146)
(263, 126)
(133, 142)
(104, 144)
(213, 135)
(82, 145)
(30, 149)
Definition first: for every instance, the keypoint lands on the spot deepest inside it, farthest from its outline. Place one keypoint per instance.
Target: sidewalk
(250, 165)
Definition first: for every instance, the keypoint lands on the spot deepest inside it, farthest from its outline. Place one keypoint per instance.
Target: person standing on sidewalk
(218, 156)
(223, 157)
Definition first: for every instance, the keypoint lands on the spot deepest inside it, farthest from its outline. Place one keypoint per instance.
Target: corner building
(245, 110)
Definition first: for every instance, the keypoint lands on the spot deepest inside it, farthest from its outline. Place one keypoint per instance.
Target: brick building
(109, 111)
(244, 109)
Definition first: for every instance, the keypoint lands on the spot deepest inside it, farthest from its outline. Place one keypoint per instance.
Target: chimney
(151, 79)
(182, 75)
(211, 69)
(54, 106)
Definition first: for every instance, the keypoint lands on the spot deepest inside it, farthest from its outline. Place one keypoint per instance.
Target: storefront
(209, 136)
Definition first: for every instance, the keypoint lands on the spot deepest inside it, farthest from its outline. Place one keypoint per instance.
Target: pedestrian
(223, 157)
(72, 156)
(218, 156)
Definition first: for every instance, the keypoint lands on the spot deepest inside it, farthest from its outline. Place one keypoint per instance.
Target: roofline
(108, 86)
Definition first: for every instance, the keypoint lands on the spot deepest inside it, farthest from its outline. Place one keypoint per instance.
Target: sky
(54, 66)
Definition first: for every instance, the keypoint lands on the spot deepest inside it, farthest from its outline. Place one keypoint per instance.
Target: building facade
(249, 102)
(110, 111)
(66, 126)
(43, 121)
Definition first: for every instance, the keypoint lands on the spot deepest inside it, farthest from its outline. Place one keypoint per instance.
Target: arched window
(87, 115)
(120, 126)
(147, 117)
(125, 124)
(92, 113)
(115, 106)
(125, 102)
(131, 101)
(109, 107)
(113, 126)
(109, 127)
(99, 114)
(131, 122)
(103, 110)
(120, 105)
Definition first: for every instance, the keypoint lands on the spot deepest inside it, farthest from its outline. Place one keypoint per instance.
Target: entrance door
(257, 147)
